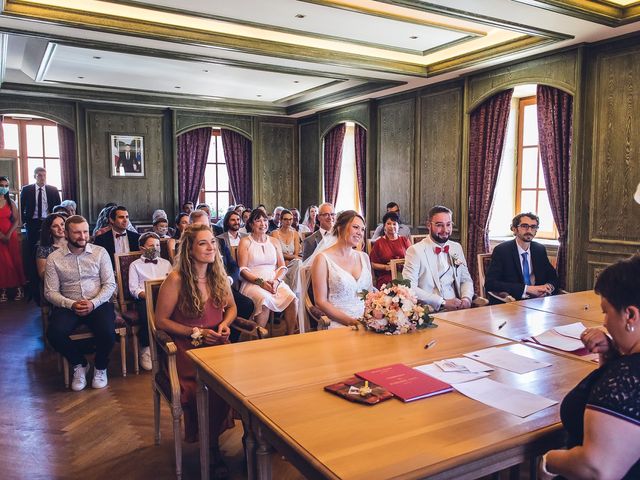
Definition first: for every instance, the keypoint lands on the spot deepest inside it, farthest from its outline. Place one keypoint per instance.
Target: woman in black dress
(602, 413)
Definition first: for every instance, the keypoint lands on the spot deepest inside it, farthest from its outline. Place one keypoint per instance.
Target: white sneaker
(145, 358)
(79, 377)
(99, 378)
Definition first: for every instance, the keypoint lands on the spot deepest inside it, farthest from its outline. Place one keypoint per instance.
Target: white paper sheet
(462, 364)
(504, 397)
(499, 357)
(553, 339)
(450, 377)
(573, 330)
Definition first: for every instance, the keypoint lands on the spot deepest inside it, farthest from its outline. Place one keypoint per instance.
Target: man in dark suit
(37, 201)
(118, 239)
(521, 267)
(128, 161)
(327, 217)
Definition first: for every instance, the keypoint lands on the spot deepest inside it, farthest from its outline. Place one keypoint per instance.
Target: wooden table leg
(249, 442)
(263, 457)
(202, 396)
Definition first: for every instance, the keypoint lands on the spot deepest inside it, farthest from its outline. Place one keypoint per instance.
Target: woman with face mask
(150, 266)
(12, 275)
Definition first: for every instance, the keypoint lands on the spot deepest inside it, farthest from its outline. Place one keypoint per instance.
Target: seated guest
(327, 218)
(231, 227)
(275, 222)
(239, 208)
(102, 223)
(196, 299)
(204, 207)
(161, 228)
(263, 269)
(12, 275)
(150, 266)
(311, 218)
(158, 213)
(403, 230)
(182, 222)
(51, 239)
(119, 239)
(296, 225)
(388, 247)
(60, 210)
(520, 266)
(436, 266)
(290, 245)
(245, 218)
(602, 413)
(219, 225)
(199, 217)
(187, 207)
(70, 206)
(340, 272)
(79, 283)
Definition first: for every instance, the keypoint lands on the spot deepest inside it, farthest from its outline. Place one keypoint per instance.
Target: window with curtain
(215, 188)
(36, 141)
(348, 195)
(521, 186)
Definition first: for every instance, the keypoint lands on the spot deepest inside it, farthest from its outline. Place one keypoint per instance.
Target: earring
(629, 328)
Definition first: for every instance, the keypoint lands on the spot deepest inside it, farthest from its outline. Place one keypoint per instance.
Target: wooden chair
(369, 246)
(484, 260)
(396, 265)
(126, 301)
(164, 249)
(418, 238)
(164, 381)
(314, 318)
(144, 228)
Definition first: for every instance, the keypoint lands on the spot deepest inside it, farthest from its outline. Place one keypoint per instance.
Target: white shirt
(140, 272)
(45, 205)
(303, 228)
(234, 241)
(121, 243)
(531, 277)
(323, 232)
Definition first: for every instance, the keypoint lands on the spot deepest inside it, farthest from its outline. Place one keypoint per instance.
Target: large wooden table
(581, 305)
(276, 386)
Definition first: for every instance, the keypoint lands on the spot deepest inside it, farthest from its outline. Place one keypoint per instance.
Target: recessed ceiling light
(296, 81)
(205, 71)
(300, 15)
(80, 78)
(413, 37)
(258, 96)
(97, 57)
(176, 86)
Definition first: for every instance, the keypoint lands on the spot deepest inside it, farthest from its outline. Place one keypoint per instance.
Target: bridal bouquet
(394, 309)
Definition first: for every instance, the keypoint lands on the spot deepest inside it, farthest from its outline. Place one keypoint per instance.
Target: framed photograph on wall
(127, 156)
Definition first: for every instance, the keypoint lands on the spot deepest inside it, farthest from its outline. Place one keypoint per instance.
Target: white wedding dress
(344, 288)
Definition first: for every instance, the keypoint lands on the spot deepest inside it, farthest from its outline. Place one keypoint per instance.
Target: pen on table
(502, 325)
(430, 344)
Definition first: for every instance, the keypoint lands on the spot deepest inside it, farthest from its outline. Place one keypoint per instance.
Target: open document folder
(565, 338)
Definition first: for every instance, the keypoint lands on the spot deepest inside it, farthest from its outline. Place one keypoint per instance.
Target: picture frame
(126, 159)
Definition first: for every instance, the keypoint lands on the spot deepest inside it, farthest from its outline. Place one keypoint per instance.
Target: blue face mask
(4, 190)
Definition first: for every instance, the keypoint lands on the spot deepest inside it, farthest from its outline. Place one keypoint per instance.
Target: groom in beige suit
(436, 266)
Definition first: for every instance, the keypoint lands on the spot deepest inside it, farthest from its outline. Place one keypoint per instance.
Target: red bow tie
(118, 235)
(444, 249)
(155, 262)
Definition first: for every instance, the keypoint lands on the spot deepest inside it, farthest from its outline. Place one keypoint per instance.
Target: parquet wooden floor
(49, 432)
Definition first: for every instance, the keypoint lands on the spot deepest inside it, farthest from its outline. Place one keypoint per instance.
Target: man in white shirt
(436, 266)
(327, 217)
(403, 230)
(79, 283)
(150, 266)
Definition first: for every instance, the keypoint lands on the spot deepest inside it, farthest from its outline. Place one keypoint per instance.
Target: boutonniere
(455, 259)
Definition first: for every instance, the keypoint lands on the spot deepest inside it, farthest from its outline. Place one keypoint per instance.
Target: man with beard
(79, 283)
(231, 227)
(520, 266)
(403, 229)
(436, 266)
(119, 239)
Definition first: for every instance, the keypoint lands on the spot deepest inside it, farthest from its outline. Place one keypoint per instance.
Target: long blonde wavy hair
(190, 301)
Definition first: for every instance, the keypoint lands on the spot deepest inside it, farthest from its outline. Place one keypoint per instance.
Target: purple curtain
(68, 164)
(360, 135)
(1, 132)
(237, 154)
(555, 132)
(193, 150)
(333, 141)
(488, 129)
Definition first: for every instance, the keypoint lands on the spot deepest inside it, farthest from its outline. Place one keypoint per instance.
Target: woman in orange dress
(195, 301)
(11, 271)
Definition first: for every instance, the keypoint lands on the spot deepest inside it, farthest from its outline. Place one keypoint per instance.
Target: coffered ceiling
(281, 57)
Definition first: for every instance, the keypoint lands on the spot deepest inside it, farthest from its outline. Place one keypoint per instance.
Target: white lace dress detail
(344, 288)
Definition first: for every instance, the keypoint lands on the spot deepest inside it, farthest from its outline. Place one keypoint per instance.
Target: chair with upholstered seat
(126, 302)
(484, 260)
(418, 238)
(396, 265)
(314, 318)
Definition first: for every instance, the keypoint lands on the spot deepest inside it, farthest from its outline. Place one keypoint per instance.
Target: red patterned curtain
(193, 150)
(360, 135)
(333, 141)
(68, 164)
(237, 154)
(488, 129)
(555, 132)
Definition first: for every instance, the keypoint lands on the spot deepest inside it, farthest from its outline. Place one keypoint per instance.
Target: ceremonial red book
(405, 382)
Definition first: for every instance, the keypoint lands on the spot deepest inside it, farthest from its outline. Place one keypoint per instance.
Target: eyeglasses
(443, 225)
(526, 226)
(287, 219)
(333, 215)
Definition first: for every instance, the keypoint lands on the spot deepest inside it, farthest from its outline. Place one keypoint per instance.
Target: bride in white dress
(340, 272)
